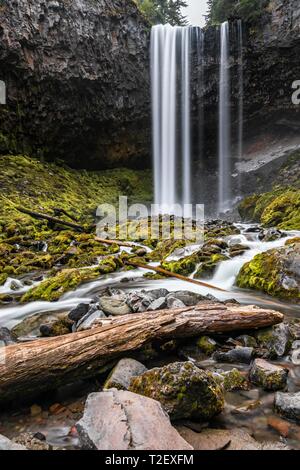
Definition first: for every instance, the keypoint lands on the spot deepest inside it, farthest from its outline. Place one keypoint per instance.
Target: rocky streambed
(237, 390)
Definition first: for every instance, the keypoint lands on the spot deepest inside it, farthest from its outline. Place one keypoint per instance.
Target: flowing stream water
(224, 277)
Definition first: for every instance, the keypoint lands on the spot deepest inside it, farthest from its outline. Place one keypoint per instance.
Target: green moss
(266, 272)
(3, 278)
(184, 266)
(206, 345)
(235, 380)
(278, 208)
(54, 287)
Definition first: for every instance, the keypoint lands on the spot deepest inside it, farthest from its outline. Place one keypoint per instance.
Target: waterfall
(177, 76)
(170, 52)
(186, 116)
(240, 91)
(224, 122)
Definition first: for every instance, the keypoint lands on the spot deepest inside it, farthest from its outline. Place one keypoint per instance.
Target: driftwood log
(29, 368)
(165, 272)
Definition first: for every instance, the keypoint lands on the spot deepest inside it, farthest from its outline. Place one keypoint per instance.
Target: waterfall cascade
(224, 122)
(170, 53)
(174, 51)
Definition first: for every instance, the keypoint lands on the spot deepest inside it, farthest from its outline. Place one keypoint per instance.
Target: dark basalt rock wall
(271, 57)
(77, 80)
(77, 75)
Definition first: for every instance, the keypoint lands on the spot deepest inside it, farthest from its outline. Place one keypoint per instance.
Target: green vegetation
(278, 208)
(248, 10)
(163, 11)
(273, 272)
(46, 187)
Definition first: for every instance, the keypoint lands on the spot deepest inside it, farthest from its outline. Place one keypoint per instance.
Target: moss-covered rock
(54, 287)
(270, 377)
(275, 272)
(276, 341)
(184, 266)
(183, 390)
(208, 268)
(278, 208)
(207, 345)
(235, 380)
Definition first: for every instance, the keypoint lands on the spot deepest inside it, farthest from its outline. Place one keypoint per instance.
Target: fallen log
(159, 270)
(29, 368)
(114, 242)
(49, 218)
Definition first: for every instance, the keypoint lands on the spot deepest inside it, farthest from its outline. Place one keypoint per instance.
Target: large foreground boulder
(120, 420)
(183, 390)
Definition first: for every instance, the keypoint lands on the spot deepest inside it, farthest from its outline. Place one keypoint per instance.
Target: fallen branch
(114, 242)
(30, 368)
(55, 220)
(170, 274)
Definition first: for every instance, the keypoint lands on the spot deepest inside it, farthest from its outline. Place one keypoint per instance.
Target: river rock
(121, 420)
(92, 318)
(7, 337)
(247, 341)
(183, 390)
(78, 312)
(58, 327)
(138, 302)
(115, 306)
(219, 439)
(288, 405)
(207, 345)
(236, 355)
(123, 372)
(158, 304)
(173, 302)
(235, 380)
(7, 444)
(276, 340)
(188, 298)
(156, 293)
(270, 235)
(31, 324)
(268, 376)
(31, 441)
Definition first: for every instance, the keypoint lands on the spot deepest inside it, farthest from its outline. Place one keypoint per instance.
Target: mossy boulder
(275, 272)
(278, 208)
(183, 390)
(276, 341)
(54, 287)
(184, 266)
(270, 377)
(207, 345)
(208, 268)
(235, 380)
